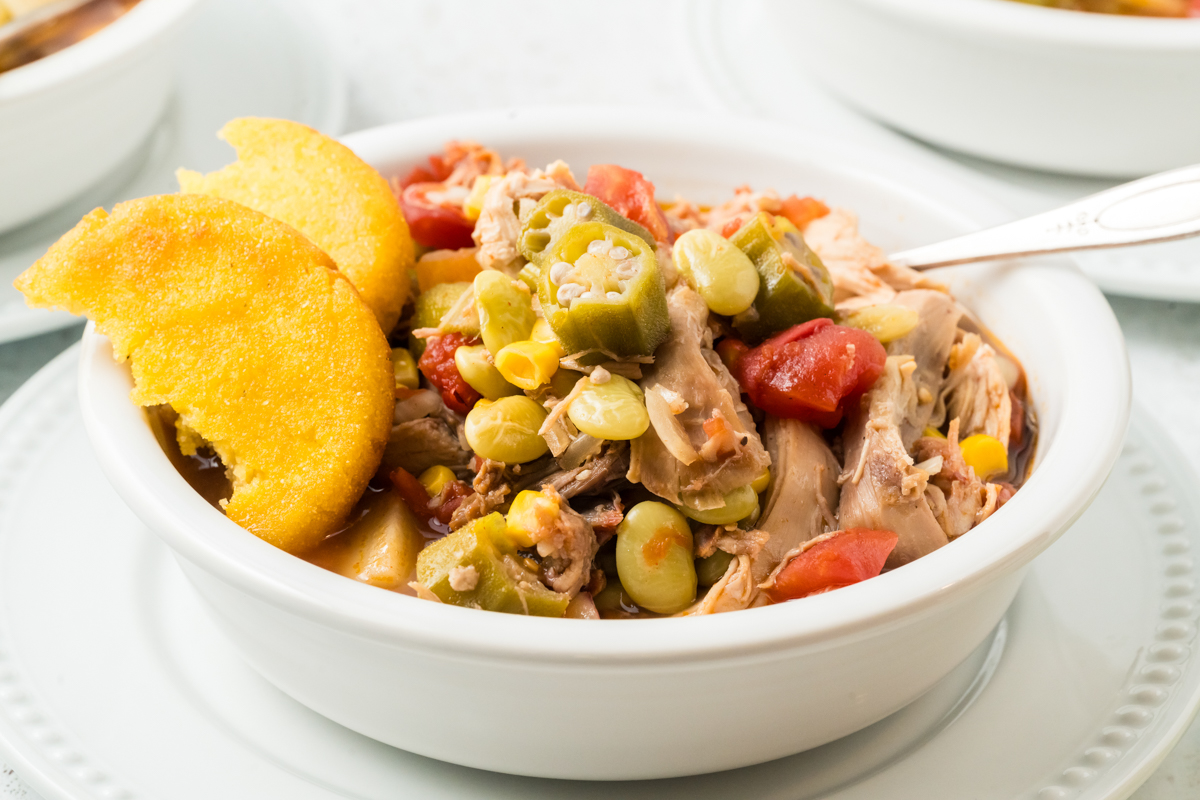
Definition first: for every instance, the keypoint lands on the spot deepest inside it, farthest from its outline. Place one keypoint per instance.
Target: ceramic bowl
(69, 119)
(667, 697)
(1066, 91)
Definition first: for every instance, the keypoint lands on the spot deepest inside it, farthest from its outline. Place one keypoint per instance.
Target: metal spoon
(1159, 208)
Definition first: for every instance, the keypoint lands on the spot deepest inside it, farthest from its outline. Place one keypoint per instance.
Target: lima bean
(507, 430)
(615, 409)
(722, 274)
(739, 504)
(654, 558)
(505, 310)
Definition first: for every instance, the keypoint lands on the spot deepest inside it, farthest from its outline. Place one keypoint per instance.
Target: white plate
(115, 684)
(742, 63)
(241, 58)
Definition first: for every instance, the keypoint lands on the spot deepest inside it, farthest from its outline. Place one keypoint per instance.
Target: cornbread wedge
(246, 329)
(318, 186)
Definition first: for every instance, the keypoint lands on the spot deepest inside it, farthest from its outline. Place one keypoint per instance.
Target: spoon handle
(1159, 208)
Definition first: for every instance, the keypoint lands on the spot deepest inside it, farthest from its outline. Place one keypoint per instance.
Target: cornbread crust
(320, 187)
(245, 328)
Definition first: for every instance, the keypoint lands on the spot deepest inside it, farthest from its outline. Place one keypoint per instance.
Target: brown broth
(58, 33)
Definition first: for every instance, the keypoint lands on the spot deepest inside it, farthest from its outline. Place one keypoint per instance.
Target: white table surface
(414, 58)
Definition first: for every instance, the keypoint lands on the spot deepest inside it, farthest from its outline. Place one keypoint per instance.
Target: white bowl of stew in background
(619, 699)
(1046, 88)
(70, 118)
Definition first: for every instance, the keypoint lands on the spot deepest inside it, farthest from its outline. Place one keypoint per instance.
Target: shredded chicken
(881, 489)
(567, 546)
(929, 344)
(491, 491)
(975, 392)
(686, 366)
(682, 216)
(470, 160)
(604, 515)
(498, 227)
(745, 204)
(860, 271)
(960, 500)
(464, 579)
(798, 507)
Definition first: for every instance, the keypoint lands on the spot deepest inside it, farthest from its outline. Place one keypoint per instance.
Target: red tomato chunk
(802, 210)
(845, 558)
(435, 512)
(442, 227)
(437, 364)
(811, 372)
(630, 194)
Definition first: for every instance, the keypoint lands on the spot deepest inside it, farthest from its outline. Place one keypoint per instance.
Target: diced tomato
(412, 492)
(442, 227)
(438, 170)
(802, 210)
(630, 194)
(845, 558)
(732, 226)
(812, 371)
(437, 364)
(433, 511)
(419, 175)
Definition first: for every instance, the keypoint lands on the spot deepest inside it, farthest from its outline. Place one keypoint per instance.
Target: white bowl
(1066, 91)
(69, 119)
(626, 699)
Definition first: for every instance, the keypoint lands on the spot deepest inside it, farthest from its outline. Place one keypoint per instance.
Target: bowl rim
(1038, 24)
(1081, 456)
(143, 23)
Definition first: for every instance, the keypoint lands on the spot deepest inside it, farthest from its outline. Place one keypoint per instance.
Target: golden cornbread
(318, 186)
(243, 326)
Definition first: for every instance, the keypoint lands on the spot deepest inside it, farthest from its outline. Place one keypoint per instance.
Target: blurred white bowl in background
(70, 118)
(1065, 91)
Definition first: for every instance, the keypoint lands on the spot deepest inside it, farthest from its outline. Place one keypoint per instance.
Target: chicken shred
(498, 227)
(860, 271)
(686, 366)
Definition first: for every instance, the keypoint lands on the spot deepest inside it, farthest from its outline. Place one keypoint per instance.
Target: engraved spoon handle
(1159, 208)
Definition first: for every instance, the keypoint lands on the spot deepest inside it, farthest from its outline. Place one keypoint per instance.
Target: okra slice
(601, 288)
(795, 286)
(557, 211)
(477, 566)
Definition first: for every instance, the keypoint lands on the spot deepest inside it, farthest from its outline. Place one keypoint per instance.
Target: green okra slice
(795, 286)
(557, 211)
(478, 567)
(601, 289)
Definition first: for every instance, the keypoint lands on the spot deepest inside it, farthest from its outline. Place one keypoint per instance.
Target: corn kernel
(934, 432)
(761, 483)
(530, 512)
(405, 368)
(985, 454)
(527, 364)
(542, 332)
(435, 479)
(473, 205)
(446, 266)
